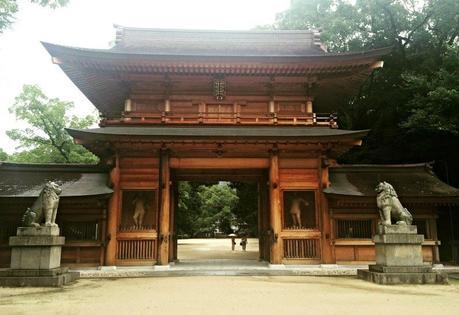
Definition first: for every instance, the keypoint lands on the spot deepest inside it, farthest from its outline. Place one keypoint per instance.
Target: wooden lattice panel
(301, 249)
(136, 250)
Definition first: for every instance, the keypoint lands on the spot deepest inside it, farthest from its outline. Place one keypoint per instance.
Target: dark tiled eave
(411, 181)
(27, 180)
(242, 133)
(120, 55)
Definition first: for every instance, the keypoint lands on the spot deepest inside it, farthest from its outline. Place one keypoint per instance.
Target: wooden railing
(301, 248)
(304, 119)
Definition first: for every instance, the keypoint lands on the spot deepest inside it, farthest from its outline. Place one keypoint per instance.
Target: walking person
(243, 242)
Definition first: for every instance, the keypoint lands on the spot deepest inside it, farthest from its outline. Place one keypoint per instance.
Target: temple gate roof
(76, 180)
(408, 180)
(147, 56)
(217, 43)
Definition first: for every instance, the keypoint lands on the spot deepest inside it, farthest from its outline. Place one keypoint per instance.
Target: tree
(9, 8)
(203, 208)
(3, 155)
(188, 209)
(45, 138)
(246, 210)
(411, 105)
(217, 207)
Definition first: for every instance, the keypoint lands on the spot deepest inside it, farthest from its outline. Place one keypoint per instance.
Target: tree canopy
(204, 208)
(45, 139)
(9, 8)
(411, 105)
(3, 155)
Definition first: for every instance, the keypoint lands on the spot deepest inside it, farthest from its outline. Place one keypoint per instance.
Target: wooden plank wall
(354, 250)
(300, 246)
(137, 247)
(139, 173)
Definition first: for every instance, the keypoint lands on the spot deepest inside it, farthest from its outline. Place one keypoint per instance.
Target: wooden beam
(219, 163)
(164, 215)
(275, 209)
(113, 213)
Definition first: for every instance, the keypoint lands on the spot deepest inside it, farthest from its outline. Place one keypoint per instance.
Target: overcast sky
(89, 23)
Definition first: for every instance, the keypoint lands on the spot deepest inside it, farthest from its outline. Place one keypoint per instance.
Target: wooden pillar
(173, 234)
(275, 209)
(113, 213)
(103, 229)
(164, 215)
(263, 219)
(432, 224)
(328, 251)
(261, 230)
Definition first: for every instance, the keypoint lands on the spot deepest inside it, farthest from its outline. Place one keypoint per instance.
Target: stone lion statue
(44, 208)
(389, 206)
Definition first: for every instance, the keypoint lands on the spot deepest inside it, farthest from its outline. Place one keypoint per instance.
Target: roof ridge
(197, 30)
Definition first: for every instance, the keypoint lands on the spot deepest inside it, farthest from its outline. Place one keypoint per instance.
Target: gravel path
(232, 295)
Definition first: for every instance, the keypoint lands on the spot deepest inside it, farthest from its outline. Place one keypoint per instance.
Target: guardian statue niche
(44, 209)
(389, 206)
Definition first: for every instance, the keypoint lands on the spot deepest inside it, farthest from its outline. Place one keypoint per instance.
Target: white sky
(89, 23)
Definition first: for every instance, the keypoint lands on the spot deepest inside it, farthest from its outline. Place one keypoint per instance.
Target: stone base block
(397, 229)
(36, 248)
(36, 257)
(400, 269)
(388, 278)
(37, 231)
(56, 277)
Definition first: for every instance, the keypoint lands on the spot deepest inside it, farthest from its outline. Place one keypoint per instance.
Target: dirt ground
(202, 249)
(231, 295)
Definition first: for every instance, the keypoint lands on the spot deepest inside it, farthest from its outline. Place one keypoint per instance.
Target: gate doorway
(209, 208)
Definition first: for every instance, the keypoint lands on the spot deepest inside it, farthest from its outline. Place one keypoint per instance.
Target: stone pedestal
(36, 259)
(399, 258)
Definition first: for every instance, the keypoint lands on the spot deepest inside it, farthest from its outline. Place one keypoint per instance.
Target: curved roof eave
(56, 50)
(278, 133)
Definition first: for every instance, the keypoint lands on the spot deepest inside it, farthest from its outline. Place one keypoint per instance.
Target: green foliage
(45, 139)
(435, 98)
(246, 210)
(204, 208)
(412, 104)
(53, 4)
(188, 208)
(3, 155)
(217, 207)
(9, 8)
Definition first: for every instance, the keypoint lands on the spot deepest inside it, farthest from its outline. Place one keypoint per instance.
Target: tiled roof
(217, 43)
(27, 180)
(411, 180)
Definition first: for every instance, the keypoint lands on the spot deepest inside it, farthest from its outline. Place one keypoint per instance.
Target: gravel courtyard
(231, 295)
(202, 249)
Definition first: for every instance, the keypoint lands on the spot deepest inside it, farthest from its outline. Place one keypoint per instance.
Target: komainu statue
(389, 206)
(44, 208)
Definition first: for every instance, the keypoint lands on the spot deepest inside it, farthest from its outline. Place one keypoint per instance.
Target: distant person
(243, 242)
(233, 241)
